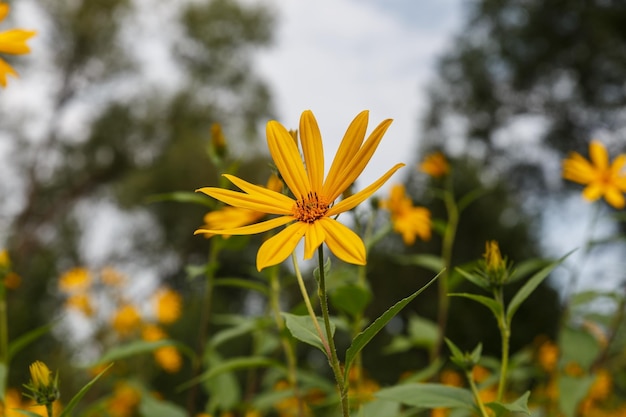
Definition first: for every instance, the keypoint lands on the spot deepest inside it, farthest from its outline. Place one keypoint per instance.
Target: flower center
(310, 208)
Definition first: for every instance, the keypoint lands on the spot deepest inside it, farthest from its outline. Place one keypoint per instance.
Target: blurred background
(115, 104)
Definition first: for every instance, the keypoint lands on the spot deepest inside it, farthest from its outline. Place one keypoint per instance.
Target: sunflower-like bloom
(435, 164)
(231, 217)
(408, 220)
(311, 211)
(601, 178)
(11, 42)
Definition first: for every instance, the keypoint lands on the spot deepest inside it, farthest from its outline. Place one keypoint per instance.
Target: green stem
(50, 409)
(290, 355)
(505, 335)
(332, 358)
(479, 402)
(309, 307)
(4, 334)
(205, 318)
(446, 255)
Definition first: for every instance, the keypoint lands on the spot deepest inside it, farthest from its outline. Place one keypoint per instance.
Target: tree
(108, 138)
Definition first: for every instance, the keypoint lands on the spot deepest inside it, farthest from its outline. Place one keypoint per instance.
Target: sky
(338, 57)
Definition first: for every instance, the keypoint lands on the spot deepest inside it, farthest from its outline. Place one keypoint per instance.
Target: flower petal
(277, 248)
(614, 197)
(577, 169)
(4, 11)
(343, 242)
(5, 69)
(348, 148)
(593, 191)
(313, 238)
(357, 164)
(14, 41)
(287, 159)
(252, 189)
(258, 202)
(357, 198)
(313, 150)
(250, 229)
(598, 155)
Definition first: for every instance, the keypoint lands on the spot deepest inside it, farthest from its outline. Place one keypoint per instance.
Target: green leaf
(525, 268)
(138, 347)
(67, 410)
(490, 303)
(351, 298)
(577, 345)
(241, 329)
(425, 374)
(302, 328)
(242, 283)
(379, 407)
(470, 197)
(473, 278)
(431, 262)
(182, 197)
(231, 365)
(518, 406)
(26, 412)
(576, 389)
(3, 380)
(363, 338)
(429, 395)
(423, 332)
(27, 338)
(150, 406)
(529, 287)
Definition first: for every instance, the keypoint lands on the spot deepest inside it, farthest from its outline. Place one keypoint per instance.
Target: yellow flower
(39, 374)
(408, 220)
(496, 269)
(218, 141)
(126, 320)
(231, 217)
(451, 378)
(168, 358)
(124, 400)
(312, 210)
(11, 42)
(152, 333)
(435, 165)
(167, 304)
(601, 178)
(44, 388)
(111, 277)
(82, 303)
(5, 261)
(76, 279)
(548, 356)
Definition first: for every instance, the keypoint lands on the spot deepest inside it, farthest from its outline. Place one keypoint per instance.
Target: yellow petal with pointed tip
(357, 198)
(287, 159)
(250, 229)
(271, 195)
(312, 149)
(313, 238)
(255, 202)
(343, 242)
(277, 248)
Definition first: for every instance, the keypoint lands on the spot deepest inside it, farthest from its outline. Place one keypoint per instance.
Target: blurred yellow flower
(124, 400)
(291, 406)
(168, 358)
(602, 386)
(408, 220)
(80, 302)
(361, 389)
(601, 178)
(126, 320)
(168, 305)
(5, 261)
(75, 280)
(480, 373)
(12, 280)
(548, 356)
(152, 333)
(435, 164)
(231, 217)
(451, 378)
(218, 141)
(311, 213)
(13, 42)
(111, 277)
